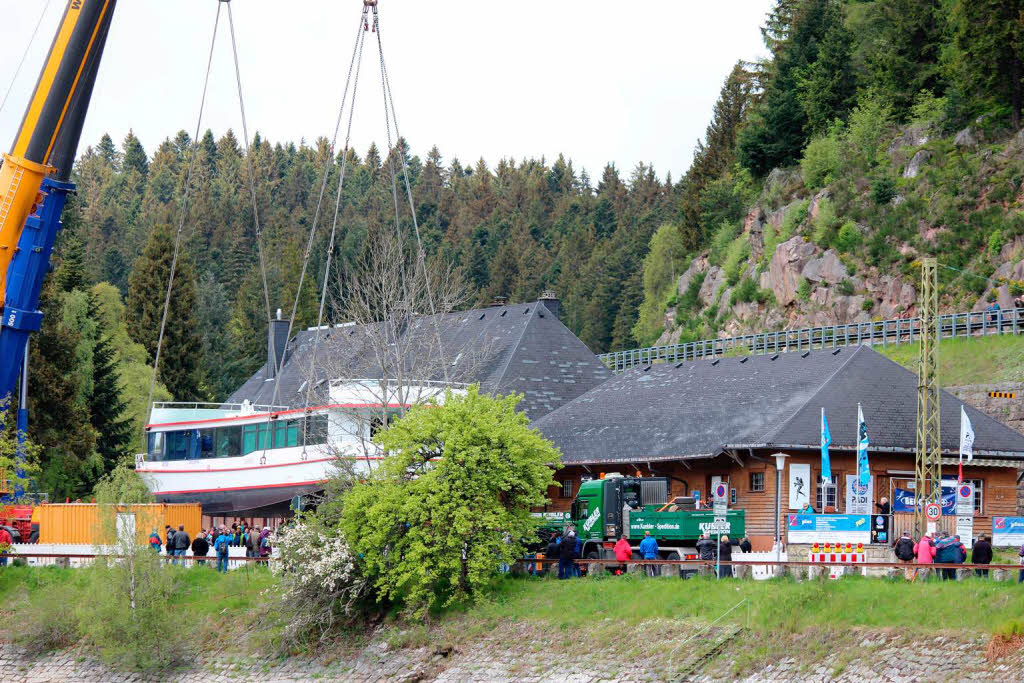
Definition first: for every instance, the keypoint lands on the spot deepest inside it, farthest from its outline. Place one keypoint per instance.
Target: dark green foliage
(70, 273)
(181, 352)
(989, 62)
(883, 189)
(106, 405)
(803, 80)
(748, 292)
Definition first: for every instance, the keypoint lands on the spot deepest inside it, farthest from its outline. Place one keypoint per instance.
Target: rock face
(815, 205)
(753, 225)
(697, 266)
(916, 162)
(966, 138)
(785, 269)
(715, 279)
(827, 269)
(912, 136)
(894, 296)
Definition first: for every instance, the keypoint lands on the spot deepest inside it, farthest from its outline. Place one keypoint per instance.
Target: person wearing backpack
(154, 541)
(265, 547)
(221, 546)
(904, 551)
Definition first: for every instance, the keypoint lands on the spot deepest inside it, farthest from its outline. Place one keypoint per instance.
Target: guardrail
(880, 332)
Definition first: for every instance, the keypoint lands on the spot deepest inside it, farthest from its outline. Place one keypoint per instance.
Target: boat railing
(199, 405)
(440, 384)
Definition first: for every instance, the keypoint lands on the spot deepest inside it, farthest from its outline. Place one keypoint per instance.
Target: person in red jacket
(623, 553)
(5, 545)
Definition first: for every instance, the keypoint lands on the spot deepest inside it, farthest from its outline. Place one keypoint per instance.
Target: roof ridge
(769, 437)
(512, 351)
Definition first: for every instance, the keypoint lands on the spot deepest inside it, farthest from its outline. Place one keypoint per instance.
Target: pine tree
(826, 87)
(134, 158)
(106, 404)
(989, 39)
(70, 273)
(58, 422)
(180, 355)
(777, 135)
(107, 152)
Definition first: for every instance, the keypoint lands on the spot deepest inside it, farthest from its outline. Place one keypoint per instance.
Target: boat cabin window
(234, 441)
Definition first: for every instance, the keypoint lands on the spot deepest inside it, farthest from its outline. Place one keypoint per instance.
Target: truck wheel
(675, 556)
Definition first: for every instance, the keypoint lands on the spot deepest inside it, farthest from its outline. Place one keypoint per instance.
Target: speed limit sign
(932, 511)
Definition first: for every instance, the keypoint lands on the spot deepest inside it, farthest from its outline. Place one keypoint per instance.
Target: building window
(978, 498)
(831, 495)
(566, 488)
(756, 482)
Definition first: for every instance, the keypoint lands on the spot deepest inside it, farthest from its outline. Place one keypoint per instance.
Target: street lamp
(780, 463)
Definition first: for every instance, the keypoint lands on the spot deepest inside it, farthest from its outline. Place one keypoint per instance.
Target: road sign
(721, 502)
(933, 511)
(965, 499)
(965, 529)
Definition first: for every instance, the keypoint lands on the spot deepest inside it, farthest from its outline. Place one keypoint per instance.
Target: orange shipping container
(79, 522)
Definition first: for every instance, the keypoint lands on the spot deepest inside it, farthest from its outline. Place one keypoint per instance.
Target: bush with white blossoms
(321, 585)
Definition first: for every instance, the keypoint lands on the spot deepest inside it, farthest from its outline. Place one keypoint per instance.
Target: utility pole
(928, 461)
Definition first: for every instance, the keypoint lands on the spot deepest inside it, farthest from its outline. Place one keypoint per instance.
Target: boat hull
(224, 502)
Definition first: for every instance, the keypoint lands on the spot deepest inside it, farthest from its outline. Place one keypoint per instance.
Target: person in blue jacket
(220, 546)
(649, 549)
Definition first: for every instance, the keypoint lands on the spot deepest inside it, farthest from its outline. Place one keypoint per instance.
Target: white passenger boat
(234, 458)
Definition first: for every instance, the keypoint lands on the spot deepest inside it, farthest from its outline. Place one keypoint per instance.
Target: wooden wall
(999, 484)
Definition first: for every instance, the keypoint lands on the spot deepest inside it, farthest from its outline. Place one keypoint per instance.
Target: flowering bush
(321, 585)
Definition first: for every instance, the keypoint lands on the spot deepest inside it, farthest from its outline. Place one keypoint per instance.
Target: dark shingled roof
(701, 408)
(521, 348)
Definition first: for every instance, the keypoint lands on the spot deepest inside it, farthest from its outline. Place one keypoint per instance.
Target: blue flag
(826, 441)
(863, 468)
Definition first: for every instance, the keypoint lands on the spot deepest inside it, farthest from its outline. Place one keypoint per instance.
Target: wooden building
(708, 420)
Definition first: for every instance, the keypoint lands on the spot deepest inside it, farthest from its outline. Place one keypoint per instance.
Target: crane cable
(420, 253)
(252, 182)
(354, 62)
(24, 55)
(181, 217)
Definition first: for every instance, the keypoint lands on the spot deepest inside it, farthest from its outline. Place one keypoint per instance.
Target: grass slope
(983, 360)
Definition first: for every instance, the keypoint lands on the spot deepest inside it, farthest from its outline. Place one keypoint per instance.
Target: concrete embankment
(652, 651)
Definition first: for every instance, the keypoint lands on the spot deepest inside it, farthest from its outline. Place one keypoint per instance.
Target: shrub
(47, 621)
(322, 588)
(928, 109)
(995, 243)
(821, 161)
(748, 291)
(826, 224)
(867, 305)
(849, 237)
(722, 238)
(803, 290)
(691, 297)
(664, 261)
(869, 122)
(845, 288)
(735, 258)
(883, 189)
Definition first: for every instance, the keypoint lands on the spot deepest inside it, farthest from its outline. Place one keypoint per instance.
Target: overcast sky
(595, 80)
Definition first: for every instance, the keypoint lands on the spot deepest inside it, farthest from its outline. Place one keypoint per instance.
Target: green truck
(605, 509)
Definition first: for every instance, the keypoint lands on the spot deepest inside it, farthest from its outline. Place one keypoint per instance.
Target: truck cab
(606, 509)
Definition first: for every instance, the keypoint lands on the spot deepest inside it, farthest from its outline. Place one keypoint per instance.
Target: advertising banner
(1007, 531)
(903, 500)
(829, 529)
(799, 486)
(859, 498)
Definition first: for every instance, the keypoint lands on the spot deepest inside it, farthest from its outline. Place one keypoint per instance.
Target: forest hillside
(876, 131)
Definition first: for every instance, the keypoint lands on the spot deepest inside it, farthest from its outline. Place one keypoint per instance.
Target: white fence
(236, 555)
(760, 572)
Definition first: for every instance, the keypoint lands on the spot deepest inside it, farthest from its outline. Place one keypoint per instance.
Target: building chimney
(550, 301)
(277, 342)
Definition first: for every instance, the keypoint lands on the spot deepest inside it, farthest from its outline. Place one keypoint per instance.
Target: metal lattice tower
(928, 462)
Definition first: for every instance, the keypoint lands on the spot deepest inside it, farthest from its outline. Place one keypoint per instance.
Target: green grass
(774, 606)
(983, 360)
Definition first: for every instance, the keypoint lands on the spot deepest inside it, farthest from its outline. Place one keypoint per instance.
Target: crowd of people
(567, 547)
(176, 542)
(945, 548)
